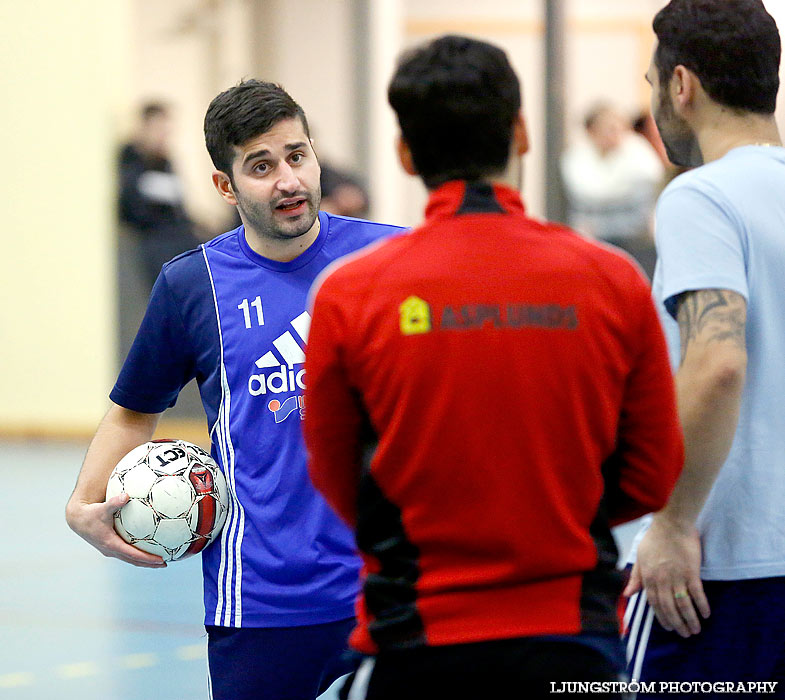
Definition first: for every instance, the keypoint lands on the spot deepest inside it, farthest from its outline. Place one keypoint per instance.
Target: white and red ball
(178, 498)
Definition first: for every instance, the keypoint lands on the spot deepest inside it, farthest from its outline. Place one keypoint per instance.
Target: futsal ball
(178, 498)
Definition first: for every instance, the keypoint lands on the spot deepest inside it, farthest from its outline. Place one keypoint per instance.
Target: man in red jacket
(514, 381)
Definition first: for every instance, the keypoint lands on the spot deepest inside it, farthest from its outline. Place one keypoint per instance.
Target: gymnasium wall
(63, 78)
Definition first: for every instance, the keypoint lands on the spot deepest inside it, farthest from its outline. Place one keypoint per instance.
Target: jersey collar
(459, 197)
(300, 261)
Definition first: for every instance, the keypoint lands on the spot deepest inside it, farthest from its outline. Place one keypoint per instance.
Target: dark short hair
(456, 99)
(598, 110)
(153, 109)
(250, 108)
(733, 46)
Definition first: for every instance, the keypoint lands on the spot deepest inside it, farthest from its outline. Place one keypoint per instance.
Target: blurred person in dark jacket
(150, 200)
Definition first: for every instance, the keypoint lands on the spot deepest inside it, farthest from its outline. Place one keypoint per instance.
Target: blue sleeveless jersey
(238, 324)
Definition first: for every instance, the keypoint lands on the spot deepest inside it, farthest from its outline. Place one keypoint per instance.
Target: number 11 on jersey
(245, 307)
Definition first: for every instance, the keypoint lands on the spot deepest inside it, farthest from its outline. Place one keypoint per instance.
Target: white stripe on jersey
(224, 533)
(227, 566)
(231, 563)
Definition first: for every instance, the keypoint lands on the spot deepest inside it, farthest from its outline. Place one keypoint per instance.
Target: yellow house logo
(415, 316)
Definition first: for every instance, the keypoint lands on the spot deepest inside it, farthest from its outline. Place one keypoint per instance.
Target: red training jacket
(517, 381)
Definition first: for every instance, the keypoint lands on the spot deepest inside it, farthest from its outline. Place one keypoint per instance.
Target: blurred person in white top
(611, 179)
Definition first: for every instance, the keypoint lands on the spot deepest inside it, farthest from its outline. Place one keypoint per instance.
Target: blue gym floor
(75, 625)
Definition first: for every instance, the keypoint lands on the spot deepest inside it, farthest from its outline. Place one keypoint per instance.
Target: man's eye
(296, 157)
(261, 168)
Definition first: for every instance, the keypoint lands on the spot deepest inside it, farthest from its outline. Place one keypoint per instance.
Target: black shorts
(742, 642)
(280, 663)
(534, 667)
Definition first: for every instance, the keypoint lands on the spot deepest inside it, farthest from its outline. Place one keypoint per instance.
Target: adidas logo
(286, 378)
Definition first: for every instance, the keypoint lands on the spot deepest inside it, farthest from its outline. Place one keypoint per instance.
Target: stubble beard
(681, 143)
(261, 218)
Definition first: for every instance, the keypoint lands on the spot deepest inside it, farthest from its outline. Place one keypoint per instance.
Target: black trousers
(514, 669)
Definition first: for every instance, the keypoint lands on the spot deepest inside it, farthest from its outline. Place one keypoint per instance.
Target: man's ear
(405, 156)
(223, 184)
(520, 134)
(683, 88)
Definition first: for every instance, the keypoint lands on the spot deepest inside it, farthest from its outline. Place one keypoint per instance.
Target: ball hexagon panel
(173, 533)
(118, 526)
(138, 519)
(171, 496)
(135, 456)
(114, 487)
(153, 548)
(138, 481)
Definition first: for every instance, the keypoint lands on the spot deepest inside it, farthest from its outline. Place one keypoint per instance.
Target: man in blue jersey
(712, 564)
(280, 583)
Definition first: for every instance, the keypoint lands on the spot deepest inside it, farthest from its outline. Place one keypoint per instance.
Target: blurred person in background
(342, 193)
(643, 123)
(611, 179)
(514, 381)
(150, 198)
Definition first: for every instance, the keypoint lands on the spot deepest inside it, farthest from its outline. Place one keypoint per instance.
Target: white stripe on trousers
(638, 619)
(207, 659)
(362, 679)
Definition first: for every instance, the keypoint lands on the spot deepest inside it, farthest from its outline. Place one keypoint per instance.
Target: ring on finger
(680, 594)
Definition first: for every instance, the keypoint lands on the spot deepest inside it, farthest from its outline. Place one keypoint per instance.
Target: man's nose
(287, 178)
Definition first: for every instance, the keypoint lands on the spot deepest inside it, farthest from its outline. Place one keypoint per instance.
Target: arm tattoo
(711, 316)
